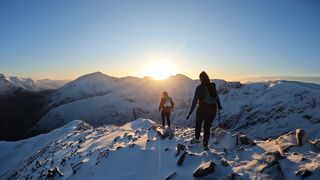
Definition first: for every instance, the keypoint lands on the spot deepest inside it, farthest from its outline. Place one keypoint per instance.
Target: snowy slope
(10, 84)
(271, 108)
(100, 99)
(139, 150)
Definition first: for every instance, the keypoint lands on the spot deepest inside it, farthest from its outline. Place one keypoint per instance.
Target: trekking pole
(219, 118)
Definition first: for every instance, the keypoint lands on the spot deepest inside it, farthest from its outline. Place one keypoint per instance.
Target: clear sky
(230, 39)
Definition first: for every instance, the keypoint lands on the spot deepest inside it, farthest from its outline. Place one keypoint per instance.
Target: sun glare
(159, 69)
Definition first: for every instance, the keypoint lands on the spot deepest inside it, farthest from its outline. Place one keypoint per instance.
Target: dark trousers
(165, 116)
(205, 113)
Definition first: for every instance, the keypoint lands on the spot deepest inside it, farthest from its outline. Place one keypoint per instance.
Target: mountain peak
(97, 74)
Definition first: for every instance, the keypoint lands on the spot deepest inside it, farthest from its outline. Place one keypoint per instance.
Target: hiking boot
(195, 141)
(205, 147)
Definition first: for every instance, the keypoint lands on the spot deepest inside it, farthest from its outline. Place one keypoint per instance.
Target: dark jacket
(198, 96)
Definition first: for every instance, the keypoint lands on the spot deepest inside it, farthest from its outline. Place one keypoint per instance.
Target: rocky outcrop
(293, 138)
(265, 165)
(303, 173)
(204, 169)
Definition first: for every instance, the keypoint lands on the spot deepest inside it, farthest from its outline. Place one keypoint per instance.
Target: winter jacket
(166, 104)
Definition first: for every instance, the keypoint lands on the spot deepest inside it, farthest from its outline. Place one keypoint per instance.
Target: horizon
(307, 79)
(230, 41)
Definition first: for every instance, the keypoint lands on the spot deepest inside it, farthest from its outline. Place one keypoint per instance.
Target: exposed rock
(242, 139)
(180, 147)
(102, 154)
(224, 162)
(315, 120)
(181, 159)
(232, 176)
(293, 138)
(204, 169)
(303, 173)
(301, 137)
(262, 162)
(76, 167)
(165, 133)
(316, 144)
(307, 116)
(269, 159)
(171, 176)
(272, 173)
(53, 172)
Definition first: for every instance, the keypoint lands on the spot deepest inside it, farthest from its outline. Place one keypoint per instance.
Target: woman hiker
(165, 107)
(206, 95)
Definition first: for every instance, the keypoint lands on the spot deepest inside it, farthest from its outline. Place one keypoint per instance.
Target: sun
(160, 69)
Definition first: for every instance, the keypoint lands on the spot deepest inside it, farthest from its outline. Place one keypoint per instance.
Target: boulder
(307, 116)
(204, 169)
(301, 137)
(243, 139)
(181, 159)
(165, 133)
(293, 138)
(303, 173)
(180, 148)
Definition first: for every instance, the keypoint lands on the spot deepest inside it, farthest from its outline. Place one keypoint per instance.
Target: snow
(136, 151)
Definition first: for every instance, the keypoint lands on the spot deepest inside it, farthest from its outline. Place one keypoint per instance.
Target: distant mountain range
(310, 79)
(11, 84)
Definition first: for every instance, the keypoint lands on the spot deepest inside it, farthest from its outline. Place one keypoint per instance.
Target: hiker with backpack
(165, 107)
(206, 95)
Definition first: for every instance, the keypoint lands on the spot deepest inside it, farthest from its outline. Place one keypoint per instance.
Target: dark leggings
(207, 114)
(165, 116)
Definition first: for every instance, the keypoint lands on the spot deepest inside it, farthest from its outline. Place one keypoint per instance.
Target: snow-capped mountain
(100, 99)
(11, 84)
(142, 150)
(278, 106)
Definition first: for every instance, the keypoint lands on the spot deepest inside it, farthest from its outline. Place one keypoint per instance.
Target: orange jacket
(166, 104)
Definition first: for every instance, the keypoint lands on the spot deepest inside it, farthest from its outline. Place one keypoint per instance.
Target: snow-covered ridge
(100, 99)
(8, 84)
(142, 150)
(271, 108)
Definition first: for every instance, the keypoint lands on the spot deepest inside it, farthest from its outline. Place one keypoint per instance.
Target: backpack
(206, 97)
(167, 102)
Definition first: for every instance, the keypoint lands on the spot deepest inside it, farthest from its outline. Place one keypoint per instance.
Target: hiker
(165, 107)
(206, 94)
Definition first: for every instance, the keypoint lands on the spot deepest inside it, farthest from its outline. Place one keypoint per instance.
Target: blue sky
(228, 39)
